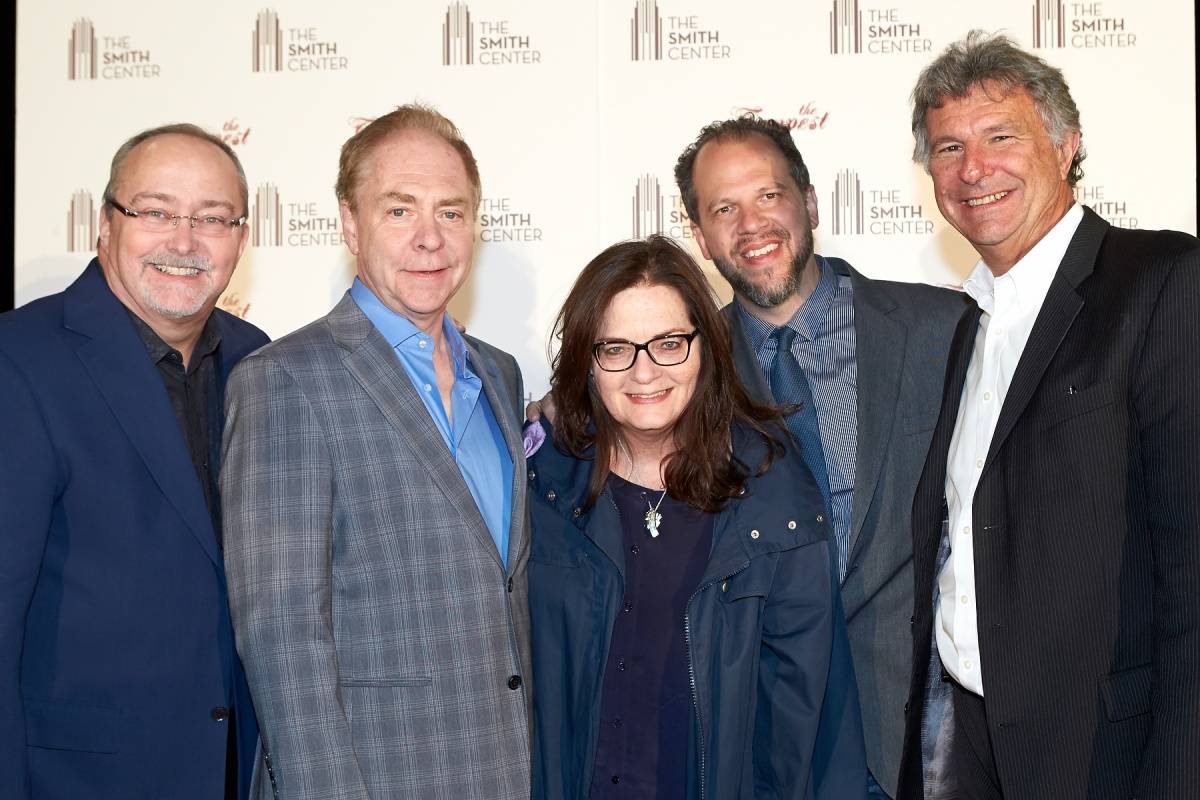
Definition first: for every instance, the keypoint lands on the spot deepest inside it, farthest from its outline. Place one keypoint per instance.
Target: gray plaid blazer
(386, 645)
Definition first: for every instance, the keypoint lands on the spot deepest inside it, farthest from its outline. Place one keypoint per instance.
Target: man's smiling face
(998, 177)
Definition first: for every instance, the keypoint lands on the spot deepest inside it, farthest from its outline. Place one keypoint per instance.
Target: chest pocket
(1074, 404)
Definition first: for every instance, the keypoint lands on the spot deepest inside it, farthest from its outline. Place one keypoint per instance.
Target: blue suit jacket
(116, 651)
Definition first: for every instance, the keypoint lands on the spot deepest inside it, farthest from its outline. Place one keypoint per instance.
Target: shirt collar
(809, 319)
(398, 329)
(210, 339)
(1030, 277)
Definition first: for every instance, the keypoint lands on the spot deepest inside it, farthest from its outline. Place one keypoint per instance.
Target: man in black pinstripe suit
(1063, 471)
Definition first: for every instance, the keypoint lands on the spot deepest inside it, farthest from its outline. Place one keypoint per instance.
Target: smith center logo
(493, 42)
(501, 220)
(1116, 212)
(81, 223)
(886, 30)
(655, 212)
(276, 223)
(108, 57)
(856, 210)
(655, 37)
(1057, 23)
(275, 48)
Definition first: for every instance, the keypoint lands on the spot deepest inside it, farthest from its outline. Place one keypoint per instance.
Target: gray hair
(980, 58)
(179, 129)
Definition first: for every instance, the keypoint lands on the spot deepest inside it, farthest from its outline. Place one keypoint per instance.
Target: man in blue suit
(118, 675)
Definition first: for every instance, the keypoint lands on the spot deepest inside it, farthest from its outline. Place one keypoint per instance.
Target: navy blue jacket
(774, 696)
(117, 661)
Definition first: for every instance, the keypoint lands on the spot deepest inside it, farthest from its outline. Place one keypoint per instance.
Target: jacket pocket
(754, 581)
(400, 682)
(1090, 398)
(59, 725)
(1126, 693)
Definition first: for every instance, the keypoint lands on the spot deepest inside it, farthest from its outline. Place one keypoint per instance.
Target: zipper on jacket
(687, 644)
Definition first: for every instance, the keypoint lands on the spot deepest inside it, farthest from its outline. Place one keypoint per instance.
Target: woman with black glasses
(688, 641)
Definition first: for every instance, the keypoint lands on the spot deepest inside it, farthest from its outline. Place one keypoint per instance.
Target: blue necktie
(789, 385)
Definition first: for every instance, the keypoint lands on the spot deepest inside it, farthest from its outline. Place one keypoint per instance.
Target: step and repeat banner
(576, 111)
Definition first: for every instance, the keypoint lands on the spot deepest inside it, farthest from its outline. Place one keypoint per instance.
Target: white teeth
(178, 271)
(762, 251)
(983, 201)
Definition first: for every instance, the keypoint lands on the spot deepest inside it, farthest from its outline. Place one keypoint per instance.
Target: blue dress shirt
(825, 349)
(474, 439)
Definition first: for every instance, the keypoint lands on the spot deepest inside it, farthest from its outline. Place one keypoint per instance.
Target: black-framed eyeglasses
(668, 350)
(157, 220)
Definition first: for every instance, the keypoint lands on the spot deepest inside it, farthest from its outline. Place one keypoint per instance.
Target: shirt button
(966, 530)
(964, 599)
(979, 463)
(428, 387)
(514, 682)
(421, 343)
(617, 722)
(987, 396)
(633, 548)
(621, 665)
(219, 714)
(627, 607)
(616, 778)
(967, 664)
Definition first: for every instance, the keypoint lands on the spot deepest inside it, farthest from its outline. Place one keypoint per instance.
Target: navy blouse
(646, 702)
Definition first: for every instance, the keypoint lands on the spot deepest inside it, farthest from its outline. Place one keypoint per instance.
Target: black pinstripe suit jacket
(1087, 520)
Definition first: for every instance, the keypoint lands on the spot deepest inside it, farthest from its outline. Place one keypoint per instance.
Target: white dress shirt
(1010, 305)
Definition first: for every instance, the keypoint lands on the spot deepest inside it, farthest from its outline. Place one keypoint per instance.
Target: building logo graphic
(647, 207)
(1086, 26)
(845, 27)
(1049, 23)
(847, 203)
(81, 223)
(645, 32)
(458, 35)
(267, 218)
(82, 51)
(268, 42)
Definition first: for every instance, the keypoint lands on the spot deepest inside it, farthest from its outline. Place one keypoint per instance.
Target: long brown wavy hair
(702, 471)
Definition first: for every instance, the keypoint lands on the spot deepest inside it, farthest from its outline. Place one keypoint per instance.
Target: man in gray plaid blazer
(374, 507)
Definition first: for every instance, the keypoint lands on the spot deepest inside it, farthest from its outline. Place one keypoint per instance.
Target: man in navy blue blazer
(118, 674)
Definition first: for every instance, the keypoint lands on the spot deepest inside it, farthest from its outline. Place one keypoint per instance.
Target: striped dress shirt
(825, 349)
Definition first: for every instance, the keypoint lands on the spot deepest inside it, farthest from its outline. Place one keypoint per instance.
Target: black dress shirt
(195, 400)
(646, 702)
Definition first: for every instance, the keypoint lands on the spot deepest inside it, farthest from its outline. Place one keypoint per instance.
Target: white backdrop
(576, 111)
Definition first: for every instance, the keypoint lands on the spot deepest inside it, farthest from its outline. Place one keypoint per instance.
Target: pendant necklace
(653, 518)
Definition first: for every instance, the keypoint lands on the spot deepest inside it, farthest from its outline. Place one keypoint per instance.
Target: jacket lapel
(744, 358)
(501, 397)
(1059, 310)
(117, 362)
(377, 370)
(879, 352)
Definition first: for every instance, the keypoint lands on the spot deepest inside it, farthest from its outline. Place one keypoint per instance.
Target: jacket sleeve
(28, 488)
(808, 731)
(1166, 404)
(276, 491)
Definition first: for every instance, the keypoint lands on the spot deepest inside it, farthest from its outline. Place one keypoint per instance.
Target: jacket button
(220, 714)
(577, 511)
(791, 524)
(906, 708)
(510, 584)
(514, 682)
(912, 620)
(532, 475)
(820, 517)
(550, 495)
(754, 534)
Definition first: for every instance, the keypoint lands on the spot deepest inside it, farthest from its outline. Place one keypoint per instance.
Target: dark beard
(768, 297)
